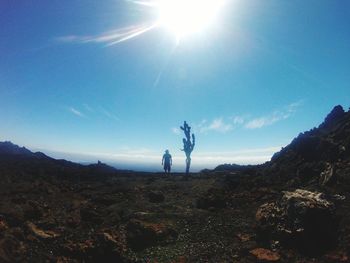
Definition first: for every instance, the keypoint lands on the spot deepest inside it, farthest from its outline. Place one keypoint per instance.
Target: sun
(185, 17)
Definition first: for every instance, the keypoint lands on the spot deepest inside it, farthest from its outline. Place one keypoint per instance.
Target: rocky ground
(151, 218)
(295, 208)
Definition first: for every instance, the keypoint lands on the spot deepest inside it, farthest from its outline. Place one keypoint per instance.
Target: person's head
(166, 151)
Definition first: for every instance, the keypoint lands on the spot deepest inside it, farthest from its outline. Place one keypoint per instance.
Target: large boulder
(302, 219)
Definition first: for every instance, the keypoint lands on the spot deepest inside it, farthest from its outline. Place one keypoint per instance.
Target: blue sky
(248, 84)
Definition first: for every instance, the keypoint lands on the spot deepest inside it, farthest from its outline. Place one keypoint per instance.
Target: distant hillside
(19, 160)
(8, 148)
(236, 168)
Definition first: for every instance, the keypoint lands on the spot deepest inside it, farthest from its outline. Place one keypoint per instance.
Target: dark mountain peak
(328, 142)
(8, 147)
(333, 117)
(309, 154)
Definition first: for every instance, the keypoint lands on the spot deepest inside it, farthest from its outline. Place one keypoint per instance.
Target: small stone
(244, 237)
(156, 197)
(41, 233)
(265, 254)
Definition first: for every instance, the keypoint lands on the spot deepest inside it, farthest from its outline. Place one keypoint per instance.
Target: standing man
(167, 161)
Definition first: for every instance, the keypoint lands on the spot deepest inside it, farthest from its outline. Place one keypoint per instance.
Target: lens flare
(185, 17)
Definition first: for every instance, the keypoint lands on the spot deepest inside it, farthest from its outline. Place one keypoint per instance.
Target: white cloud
(76, 112)
(238, 120)
(274, 117)
(220, 126)
(265, 121)
(217, 125)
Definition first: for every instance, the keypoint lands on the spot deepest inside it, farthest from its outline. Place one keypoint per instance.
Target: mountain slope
(318, 157)
(326, 147)
(16, 160)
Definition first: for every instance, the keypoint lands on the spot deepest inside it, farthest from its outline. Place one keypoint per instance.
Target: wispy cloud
(176, 130)
(218, 125)
(109, 114)
(238, 120)
(76, 112)
(110, 37)
(274, 117)
(88, 108)
(224, 125)
(265, 121)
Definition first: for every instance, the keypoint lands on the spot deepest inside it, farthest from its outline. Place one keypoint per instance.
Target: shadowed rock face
(314, 152)
(12, 149)
(336, 115)
(325, 149)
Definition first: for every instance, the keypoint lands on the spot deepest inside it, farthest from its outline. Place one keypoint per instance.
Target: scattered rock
(338, 256)
(73, 220)
(41, 233)
(32, 210)
(156, 197)
(11, 250)
(327, 175)
(244, 237)
(265, 254)
(142, 234)
(104, 247)
(3, 225)
(214, 198)
(65, 260)
(90, 214)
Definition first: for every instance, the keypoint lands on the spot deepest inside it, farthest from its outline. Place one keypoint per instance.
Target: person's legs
(167, 167)
(168, 170)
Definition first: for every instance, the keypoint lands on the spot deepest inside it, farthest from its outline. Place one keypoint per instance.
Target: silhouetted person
(167, 161)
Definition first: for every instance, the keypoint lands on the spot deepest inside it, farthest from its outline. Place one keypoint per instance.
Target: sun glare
(184, 17)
